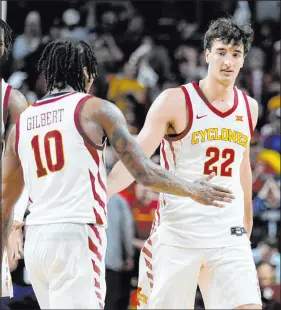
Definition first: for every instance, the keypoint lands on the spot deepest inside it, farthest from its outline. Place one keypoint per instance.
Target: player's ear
(86, 74)
(207, 54)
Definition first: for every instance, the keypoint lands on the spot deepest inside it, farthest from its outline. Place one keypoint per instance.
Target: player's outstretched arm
(161, 113)
(12, 186)
(144, 170)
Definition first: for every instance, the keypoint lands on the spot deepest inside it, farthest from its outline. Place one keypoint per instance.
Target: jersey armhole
(249, 114)
(79, 126)
(6, 104)
(189, 109)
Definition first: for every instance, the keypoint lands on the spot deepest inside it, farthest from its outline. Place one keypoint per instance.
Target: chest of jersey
(215, 142)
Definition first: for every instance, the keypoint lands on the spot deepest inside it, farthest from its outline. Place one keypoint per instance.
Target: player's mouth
(226, 72)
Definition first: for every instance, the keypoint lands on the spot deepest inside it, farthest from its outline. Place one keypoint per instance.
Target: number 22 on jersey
(53, 164)
(215, 154)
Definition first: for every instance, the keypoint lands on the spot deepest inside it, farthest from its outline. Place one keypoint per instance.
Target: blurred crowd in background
(144, 47)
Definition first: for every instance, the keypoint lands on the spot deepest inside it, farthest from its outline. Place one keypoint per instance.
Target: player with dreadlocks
(59, 142)
(13, 103)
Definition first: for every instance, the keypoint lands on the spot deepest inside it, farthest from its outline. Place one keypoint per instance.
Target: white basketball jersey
(5, 92)
(64, 171)
(212, 142)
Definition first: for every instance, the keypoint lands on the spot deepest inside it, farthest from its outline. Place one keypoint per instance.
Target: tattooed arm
(140, 166)
(12, 186)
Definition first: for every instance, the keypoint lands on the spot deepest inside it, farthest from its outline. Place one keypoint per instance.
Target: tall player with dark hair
(204, 127)
(13, 103)
(57, 148)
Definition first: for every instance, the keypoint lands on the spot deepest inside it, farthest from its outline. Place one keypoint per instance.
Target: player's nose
(227, 63)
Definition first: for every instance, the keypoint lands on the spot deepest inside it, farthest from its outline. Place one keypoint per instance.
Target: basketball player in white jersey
(13, 103)
(57, 150)
(204, 127)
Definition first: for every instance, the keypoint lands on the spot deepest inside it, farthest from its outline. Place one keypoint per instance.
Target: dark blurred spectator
(127, 93)
(267, 251)
(72, 29)
(132, 37)
(254, 76)
(107, 51)
(267, 9)
(143, 207)
(242, 12)
(187, 61)
(30, 40)
(119, 253)
(269, 290)
(272, 125)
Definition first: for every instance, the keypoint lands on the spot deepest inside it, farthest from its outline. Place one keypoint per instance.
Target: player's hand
(15, 242)
(211, 195)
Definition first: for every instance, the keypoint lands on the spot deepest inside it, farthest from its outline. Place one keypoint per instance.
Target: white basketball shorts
(169, 275)
(65, 264)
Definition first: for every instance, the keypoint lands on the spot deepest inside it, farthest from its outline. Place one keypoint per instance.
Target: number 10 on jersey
(215, 154)
(53, 165)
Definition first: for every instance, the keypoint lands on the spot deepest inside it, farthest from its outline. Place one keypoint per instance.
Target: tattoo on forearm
(144, 171)
(141, 168)
(119, 140)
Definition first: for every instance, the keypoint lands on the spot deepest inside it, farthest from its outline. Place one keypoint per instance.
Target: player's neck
(216, 91)
(67, 89)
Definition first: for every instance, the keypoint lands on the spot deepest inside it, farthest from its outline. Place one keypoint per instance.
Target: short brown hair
(227, 30)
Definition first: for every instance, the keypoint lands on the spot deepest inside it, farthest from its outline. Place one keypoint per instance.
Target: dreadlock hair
(62, 63)
(7, 37)
(228, 31)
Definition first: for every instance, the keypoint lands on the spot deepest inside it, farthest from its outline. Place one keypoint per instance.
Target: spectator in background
(269, 291)
(119, 253)
(108, 52)
(30, 40)
(127, 93)
(143, 207)
(133, 35)
(187, 62)
(72, 29)
(267, 251)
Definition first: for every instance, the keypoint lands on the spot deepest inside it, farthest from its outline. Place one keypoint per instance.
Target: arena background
(144, 47)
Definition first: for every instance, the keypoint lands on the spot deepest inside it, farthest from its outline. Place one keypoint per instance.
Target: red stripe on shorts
(145, 251)
(96, 268)
(94, 249)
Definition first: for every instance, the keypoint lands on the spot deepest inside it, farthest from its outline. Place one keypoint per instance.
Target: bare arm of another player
(160, 114)
(246, 175)
(141, 167)
(17, 104)
(12, 186)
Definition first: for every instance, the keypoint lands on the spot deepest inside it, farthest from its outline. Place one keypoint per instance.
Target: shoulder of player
(253, 104)
(170, 100)
(96, 108)
(254, 109)
(17, 101)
